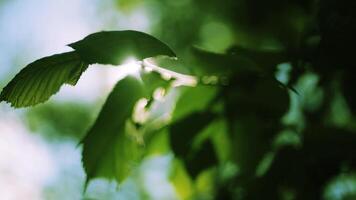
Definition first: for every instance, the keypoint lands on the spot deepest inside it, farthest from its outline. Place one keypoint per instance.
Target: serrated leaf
(108, 150)
(114, 47)
(38, 81)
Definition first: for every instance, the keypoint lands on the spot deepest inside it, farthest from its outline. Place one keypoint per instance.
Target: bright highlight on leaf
(131, 66)
(114, 47)
(38, 81)
(44, 77)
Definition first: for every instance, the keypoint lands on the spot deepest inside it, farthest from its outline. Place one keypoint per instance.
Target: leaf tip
(72, 45)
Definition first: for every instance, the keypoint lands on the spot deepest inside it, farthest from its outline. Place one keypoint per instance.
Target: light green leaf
(38, 81)
(114, 47)
(193, 99)
(152, 81)
(109, 150)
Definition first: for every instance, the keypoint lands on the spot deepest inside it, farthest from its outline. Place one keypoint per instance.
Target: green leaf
(158, 143)
(41, 79)
(218, 132)
(181, 65)
(191, 117)
(181, 180)
(254, 114)
(184, 132)
(209, 63)
(194, 99)
(152, 81)
(237, 60)
(184, 138)
(204, 158)
(109, 150)
(113, 47)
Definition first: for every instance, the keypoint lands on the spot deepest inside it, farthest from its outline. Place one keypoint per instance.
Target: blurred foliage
(57, 120)
(270, 113)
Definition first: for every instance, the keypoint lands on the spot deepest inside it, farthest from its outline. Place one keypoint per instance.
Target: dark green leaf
(109, 150)
(264, 59)
(261, 97)
(191, 145)
(218, 132)
(237, 60)
(210, 63)
(190, 118)
(177, 65)
(348, 90)
(254, 113)
(41, 79)
(325, 152)
(202, 159)
(183, 132)
(113, 47)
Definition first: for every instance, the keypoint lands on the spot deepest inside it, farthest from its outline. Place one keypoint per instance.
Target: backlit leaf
(201, 159)
(184, 132)
(114, 47)
(194, 99)
(38, 81)
(109, 150)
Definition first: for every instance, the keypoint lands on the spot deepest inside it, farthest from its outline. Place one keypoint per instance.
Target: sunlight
(114, 73)
(159, 94)
(26, 165)
(180, 79)
(140, 114)
(131, 66)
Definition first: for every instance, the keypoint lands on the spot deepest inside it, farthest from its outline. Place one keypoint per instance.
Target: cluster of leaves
(44, 77)
(227, 118)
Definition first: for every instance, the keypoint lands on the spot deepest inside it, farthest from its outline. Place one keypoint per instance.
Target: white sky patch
(69, 180)
(131, 66)
(98, 81)
(25, 163)
(44, 27)
(137, 19)
(155, 172)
